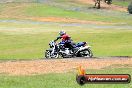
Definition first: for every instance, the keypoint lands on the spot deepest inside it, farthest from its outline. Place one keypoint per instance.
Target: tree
(130, 8)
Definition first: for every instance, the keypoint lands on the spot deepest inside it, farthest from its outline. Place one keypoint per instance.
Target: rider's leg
(74, 48)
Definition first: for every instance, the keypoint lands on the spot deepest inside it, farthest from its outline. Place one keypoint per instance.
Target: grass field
(82, 13)
(60, 80)
(30, 42)
(124, 3)
(27, 39)
(22, 37)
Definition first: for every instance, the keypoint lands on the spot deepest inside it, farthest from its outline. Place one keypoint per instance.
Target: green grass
(73, 10)
(42, 10)
(60, 80)
(21, 40)
(29, 41)
(109, 44)
(122, 3)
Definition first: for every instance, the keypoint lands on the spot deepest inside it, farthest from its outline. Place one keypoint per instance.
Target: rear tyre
(90, 53)
(86, 53)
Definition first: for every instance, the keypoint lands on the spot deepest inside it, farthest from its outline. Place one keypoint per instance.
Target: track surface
(32, 67)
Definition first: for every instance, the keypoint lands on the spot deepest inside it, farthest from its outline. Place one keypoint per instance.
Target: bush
(130, 8)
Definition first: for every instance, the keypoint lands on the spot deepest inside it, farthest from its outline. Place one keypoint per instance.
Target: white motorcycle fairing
(83, 48)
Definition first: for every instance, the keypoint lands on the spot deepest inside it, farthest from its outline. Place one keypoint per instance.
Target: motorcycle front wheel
(48, 55)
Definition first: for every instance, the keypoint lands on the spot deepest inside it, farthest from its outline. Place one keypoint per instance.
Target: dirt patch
(58, 65)
(106, 6)
(67, 20)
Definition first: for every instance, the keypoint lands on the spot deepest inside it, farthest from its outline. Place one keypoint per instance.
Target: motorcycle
(59, 50)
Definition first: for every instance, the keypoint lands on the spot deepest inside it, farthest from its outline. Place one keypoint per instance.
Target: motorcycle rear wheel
(86, 53)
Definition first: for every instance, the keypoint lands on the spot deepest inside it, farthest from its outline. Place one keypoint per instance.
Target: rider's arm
(57, 38)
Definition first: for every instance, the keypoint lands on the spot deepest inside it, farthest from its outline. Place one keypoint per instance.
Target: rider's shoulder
(65, 35)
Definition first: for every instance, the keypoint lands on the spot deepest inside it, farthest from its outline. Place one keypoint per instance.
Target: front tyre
(48, 54)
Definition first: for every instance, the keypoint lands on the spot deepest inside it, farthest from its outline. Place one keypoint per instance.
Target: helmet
(62, 33)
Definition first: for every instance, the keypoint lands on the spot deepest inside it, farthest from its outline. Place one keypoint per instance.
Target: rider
(66, 40)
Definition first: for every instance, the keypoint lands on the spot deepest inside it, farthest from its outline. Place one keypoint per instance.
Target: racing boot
(75, 50)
